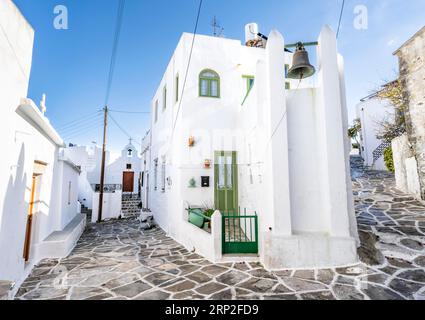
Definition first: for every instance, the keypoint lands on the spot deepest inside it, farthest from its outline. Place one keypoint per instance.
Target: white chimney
(251, 32)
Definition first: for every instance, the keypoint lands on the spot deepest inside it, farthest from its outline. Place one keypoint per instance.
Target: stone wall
(412, 74)
(405, 164)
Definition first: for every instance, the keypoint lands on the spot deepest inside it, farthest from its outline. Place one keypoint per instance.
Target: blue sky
(71, 66)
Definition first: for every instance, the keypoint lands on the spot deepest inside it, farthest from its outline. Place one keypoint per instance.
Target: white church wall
(15, 66)
(28, 138)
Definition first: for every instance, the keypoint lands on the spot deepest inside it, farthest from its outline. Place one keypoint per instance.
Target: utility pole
(102, 170)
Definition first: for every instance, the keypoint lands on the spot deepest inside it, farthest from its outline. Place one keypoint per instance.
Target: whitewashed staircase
(130, 206)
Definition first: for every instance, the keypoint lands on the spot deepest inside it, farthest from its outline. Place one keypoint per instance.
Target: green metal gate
(239, 233)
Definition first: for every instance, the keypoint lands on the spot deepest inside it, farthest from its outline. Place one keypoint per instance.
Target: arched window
(209, 84)
(129, 153)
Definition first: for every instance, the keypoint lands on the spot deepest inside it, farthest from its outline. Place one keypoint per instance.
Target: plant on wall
(389, 159)
(192, 183)
(208, 209)
(396, 126)
(354, 132)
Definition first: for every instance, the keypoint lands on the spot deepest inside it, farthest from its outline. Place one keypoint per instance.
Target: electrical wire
(340, 18)
(82, 132)
(122, 129)
(129, 112)
(281, 119)
(81, 129)
(187, 69)
(121, 6)
(81, 124)
(79, 121)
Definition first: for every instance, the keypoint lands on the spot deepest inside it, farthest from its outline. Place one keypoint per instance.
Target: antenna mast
(217, 29)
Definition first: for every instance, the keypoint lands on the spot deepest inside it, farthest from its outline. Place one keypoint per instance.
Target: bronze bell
(301, 67)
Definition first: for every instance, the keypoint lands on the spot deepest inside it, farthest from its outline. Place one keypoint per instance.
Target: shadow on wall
(13, 222)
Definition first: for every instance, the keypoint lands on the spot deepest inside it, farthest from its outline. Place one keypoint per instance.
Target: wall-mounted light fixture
(191, 141)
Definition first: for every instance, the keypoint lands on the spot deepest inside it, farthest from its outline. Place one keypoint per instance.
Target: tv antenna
(217, 29)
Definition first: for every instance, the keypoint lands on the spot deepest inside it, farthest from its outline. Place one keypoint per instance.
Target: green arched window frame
(209, 84)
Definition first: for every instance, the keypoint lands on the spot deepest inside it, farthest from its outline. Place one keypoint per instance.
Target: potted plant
(208, 212)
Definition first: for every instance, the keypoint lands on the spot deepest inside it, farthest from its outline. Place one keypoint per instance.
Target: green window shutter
(209, 84)
(249, 82)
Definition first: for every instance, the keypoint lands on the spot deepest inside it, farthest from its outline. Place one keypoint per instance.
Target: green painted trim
(235, 187)
(246, 96)
(164, 98)
(209, 84)
(248, 86)
(238, 242)
(248, 83)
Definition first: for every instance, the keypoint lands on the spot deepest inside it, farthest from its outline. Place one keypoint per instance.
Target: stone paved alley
(115, 260)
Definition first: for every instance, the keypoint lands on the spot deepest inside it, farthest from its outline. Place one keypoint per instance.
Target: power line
(340, 18)
(130, 112)
(187, 69)
(81, 128)
(80, 133)
(14, 51)
(122, 129)
(281, 119)
(114, 49)
(76, 123)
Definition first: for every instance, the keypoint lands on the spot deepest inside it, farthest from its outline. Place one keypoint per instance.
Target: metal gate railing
(239, 233)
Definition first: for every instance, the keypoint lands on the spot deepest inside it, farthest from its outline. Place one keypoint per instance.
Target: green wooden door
(226, 182)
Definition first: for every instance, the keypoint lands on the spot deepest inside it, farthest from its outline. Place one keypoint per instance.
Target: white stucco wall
(371, 112)
(297, 182)
(27, 137)
(16, 42)
(111, 208)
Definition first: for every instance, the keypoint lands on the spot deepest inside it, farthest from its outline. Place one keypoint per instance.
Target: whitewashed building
(372, 111)
(269, 155)
(39, 211)
(122, 177)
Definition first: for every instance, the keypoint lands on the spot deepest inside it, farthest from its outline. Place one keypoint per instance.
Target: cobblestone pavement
(115, 260)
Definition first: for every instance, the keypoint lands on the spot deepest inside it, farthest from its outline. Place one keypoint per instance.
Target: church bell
(301, 67)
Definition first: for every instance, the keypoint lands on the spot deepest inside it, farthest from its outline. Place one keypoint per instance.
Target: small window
(287, 85)
(128, 166)
(163, 176)
(155, 174)
(286, 70)
(209, 84)
(164, 99)
(156, 111)
(69, 192)
(177, 88)
(129, 153)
